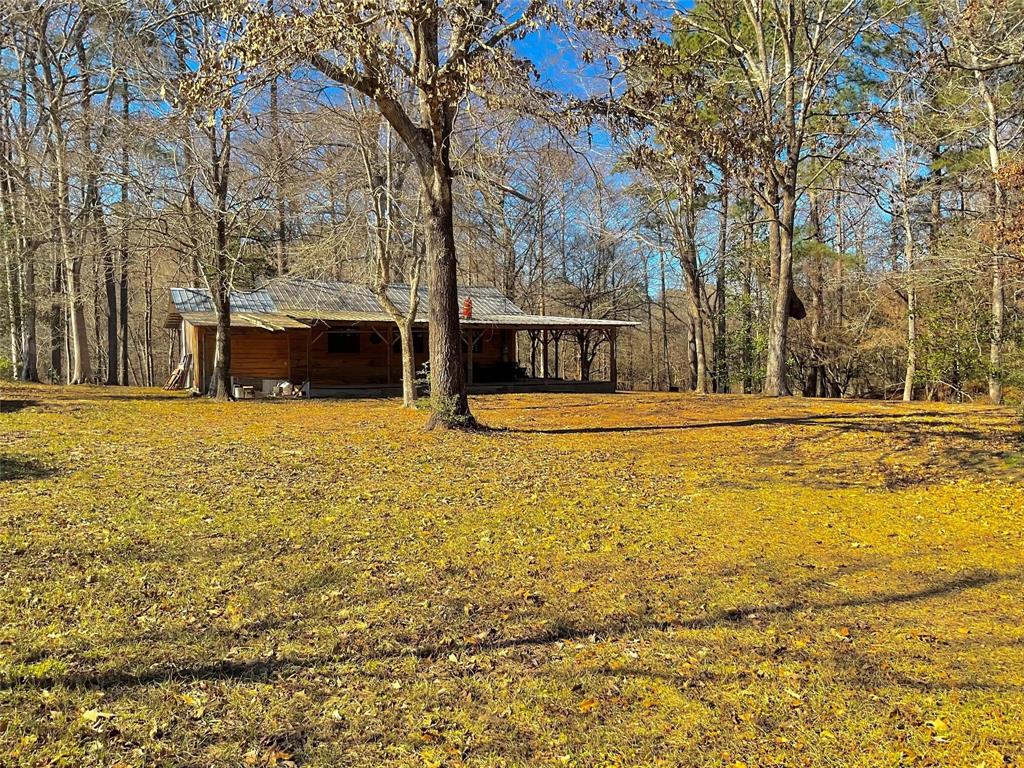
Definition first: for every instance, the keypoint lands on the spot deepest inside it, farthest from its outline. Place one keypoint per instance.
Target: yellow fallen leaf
(93, 715)
(588, 705)
(940, 730)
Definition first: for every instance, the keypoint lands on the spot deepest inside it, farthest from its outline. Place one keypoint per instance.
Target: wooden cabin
(334, 339)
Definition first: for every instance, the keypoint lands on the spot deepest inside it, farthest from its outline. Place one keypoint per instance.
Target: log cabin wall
(343, 355)
(359, 356)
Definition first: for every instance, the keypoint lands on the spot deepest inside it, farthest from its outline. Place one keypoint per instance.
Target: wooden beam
(544, 354)
(309, 359)
(613, 370)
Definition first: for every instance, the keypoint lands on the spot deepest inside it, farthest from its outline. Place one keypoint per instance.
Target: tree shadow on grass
(957, 447)
(15, 405)
(263, 669)
(843, 421)
(12, 468)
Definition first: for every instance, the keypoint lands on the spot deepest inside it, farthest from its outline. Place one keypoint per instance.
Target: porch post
(544, 354)
(613, 370)
(469, 358)
(309, 361)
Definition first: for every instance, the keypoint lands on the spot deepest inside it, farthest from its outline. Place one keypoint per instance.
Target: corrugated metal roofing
(289, 300)
(268, 321)
(198, 300)
(344, 301)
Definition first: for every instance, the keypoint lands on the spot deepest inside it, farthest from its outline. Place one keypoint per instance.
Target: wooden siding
(259, 354)
(302, 355)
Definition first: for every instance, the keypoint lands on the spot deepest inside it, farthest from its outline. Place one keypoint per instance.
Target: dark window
(343, 342)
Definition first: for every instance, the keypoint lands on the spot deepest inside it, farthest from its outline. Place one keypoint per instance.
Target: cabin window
(343, 342)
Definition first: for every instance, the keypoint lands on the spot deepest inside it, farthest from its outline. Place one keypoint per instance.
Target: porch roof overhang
(522, 322)
(285, 303)
(267, 321)
(276, 321)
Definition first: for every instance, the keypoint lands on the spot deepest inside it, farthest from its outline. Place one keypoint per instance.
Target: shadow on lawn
(23, 469)
(13, 406)
(843, 421)
(265, 668)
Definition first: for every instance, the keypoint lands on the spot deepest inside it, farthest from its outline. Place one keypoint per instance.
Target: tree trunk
(998, 303)
(220, 278)
(56, 323)
(29, 352)
(447, 377)
(748, 302)
(908, 255)
(11, 270)
(81, 363)
(650, 332)
(583, 342)
(699, 349)
(405, 333)
(911, 374)
(721, 361)
(81, 372)
(147, 318)
(666, 360)
(220, 382)
(776, 384)
(691, 270)
(815, 384)
(691, 356)
(123, 281)
(275, 129)
(110, 289)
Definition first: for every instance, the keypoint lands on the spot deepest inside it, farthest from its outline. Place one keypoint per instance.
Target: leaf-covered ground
(604, 580)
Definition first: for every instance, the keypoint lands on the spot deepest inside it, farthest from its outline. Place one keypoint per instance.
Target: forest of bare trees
(789, 196)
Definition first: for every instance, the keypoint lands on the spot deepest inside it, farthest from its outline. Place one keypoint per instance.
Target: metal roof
(268, 321)
(198, 300)
(287, 300)
(353, 301)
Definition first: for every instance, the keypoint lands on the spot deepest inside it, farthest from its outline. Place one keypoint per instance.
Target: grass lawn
(630, 580)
